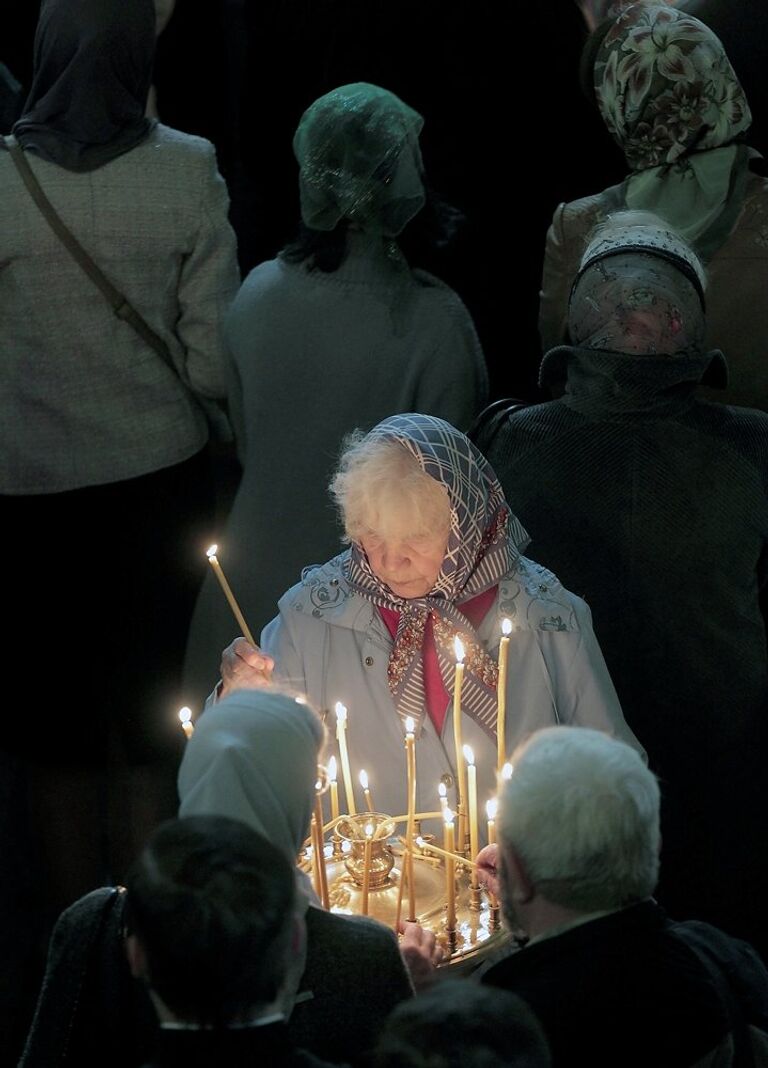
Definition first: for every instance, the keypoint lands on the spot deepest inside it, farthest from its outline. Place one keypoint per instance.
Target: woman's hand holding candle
(488, 868)
(244, 667)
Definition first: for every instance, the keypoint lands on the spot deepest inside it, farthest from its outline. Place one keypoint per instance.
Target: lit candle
(185, 718)
(506, 773)
(501, 695)
(472, 791)
(457, 684)
(410, 756)
(491, 808)
(318, 846)
(341, 738)
(366, 791)
(442, 791)
(450, 871)
(334, 788)
(367, 866)
(211, 554)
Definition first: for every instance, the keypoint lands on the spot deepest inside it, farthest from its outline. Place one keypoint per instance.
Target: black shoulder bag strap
(118, 301)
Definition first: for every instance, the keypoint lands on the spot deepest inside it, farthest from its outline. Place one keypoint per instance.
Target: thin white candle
(366, 791)
(185, 718)
(367, 866)
(460, 776)
(472, 792)
(332, 773)
(341, 738)
(450, 871)
(410, 755)
(214, 562)
(501, 695)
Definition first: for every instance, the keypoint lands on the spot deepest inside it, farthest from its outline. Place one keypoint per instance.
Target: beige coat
(737, 290)
(83, 400)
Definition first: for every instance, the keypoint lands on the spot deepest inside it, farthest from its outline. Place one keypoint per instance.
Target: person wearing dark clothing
(612, 980)
(653, 506)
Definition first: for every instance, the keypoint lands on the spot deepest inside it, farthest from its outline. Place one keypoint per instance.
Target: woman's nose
(394, 557)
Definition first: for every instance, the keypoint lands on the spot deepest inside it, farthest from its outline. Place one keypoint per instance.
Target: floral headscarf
(671, 99)
(359, 159)
(484, 543)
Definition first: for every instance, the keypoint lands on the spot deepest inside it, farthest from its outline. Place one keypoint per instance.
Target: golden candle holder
(477, 932)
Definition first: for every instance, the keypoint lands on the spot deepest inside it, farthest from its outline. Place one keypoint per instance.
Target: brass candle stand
(477, 931)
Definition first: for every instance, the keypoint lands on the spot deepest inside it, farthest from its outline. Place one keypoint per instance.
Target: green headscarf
(358, 153)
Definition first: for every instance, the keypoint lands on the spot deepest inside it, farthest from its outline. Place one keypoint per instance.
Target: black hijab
(92, 72)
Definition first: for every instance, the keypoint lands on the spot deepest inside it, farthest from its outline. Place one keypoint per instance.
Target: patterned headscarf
(484, 543)
(92, 72)
(671, 99)
(359, 159)
(639, 290)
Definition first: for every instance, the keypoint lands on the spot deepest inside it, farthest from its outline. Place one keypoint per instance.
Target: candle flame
(364, 780)
(185, 714)
(491, 808)
(300, 699)
(469, 754)
(332, 772)
(341, 712)
(506, 626)
(346, 847)
(369, 830)
(506, 772)
(442, 789)
(420, 842)
(458, 646)
(449, 815)
(410, 725)
(211, 553)
(319, 785)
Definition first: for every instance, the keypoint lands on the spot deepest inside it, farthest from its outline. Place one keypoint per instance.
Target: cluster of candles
(456, 848)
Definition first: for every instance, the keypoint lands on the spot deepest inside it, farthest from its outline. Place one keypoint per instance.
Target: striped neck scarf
(484, 543)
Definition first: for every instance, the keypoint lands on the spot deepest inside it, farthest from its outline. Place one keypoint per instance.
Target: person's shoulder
(534, 598)
(323, 592)
(434, 291)
(351, 934)
(171, 143)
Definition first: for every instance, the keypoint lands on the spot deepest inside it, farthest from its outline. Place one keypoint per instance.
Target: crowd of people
(326, 420)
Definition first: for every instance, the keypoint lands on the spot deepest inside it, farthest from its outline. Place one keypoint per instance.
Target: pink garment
(437, 697)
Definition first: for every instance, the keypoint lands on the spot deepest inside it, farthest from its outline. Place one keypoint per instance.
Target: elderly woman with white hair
(435, 553)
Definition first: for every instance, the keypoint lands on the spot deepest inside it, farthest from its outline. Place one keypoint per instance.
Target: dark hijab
(92, 72)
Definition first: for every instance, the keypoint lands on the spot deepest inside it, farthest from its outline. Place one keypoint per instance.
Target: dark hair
(589, 56)
(458, 1023)
(433, 229)
(212, 903)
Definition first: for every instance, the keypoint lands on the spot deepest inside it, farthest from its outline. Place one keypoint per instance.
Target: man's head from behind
(211, 919)
(579, 825)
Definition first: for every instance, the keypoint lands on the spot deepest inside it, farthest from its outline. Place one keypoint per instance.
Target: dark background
(507, 133)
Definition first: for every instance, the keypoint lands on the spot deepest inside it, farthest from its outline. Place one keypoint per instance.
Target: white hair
(381, 488)
(581, 811)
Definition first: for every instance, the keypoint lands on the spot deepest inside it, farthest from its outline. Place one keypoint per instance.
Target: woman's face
(409, 565)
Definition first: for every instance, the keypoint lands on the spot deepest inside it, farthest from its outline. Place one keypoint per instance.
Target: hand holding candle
(501, 695)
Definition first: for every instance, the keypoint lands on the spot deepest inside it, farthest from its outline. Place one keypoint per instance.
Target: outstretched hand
(421, 953)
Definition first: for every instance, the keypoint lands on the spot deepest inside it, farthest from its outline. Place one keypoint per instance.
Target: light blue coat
(332, 643)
